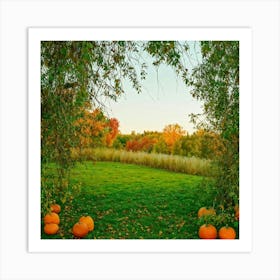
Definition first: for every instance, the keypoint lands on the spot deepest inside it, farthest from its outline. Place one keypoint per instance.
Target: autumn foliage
(172, 140)
(171, 134)
(144, 143)
(95, 129)
(113, 131)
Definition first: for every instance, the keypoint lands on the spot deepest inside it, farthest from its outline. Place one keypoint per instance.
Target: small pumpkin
(51, 218)
(80, 229)
(203, 211)
(55, 208)
(87, 220)
(51, 228)
(207, 231)
(227, 233)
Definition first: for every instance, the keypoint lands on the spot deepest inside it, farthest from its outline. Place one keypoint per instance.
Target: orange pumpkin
(55, 208)
(227, 233)
(51, 228)
(87, 220)
(203, 211)
(207, 231)
(80, 229)
(51, 218)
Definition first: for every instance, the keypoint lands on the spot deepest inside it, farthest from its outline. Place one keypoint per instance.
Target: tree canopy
(216, 82)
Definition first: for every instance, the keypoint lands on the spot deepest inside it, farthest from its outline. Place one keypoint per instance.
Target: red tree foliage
(113, 131)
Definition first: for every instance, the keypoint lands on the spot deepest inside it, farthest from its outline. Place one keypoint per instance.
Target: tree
(209, 144)
(141, 142)
(216, 82)
(120, 141)
(91, 128)
(171, 134)
(113, 131)
(160, 146)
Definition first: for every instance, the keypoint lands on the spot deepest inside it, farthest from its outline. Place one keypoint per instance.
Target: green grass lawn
(128, 201)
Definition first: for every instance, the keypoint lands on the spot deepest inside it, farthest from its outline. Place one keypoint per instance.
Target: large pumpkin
(51, 228)
(51, 218)
(203, 211)
(80, 229)
(55, 208)
(207, 231)
(227, 233)
(87, 220)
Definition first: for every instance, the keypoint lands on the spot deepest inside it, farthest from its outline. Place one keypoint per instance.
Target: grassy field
(188, 165)
(128, 201)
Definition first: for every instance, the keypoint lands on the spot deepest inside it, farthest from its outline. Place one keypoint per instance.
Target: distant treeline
(173, 141)
(95, 130)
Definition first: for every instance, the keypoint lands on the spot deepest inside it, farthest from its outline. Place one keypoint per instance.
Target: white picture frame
(263, 257)
(243, 35)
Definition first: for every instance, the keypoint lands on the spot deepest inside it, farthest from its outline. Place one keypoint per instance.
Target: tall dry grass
(188, 165)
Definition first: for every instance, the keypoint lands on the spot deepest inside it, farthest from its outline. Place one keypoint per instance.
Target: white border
(244, 243)
(263, 16)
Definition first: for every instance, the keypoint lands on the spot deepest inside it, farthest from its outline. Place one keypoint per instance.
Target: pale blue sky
(164, 100)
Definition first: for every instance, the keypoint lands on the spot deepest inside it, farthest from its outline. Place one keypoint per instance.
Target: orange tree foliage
(171, 134)
(91, 127)
(95, 129)
(113, 131)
